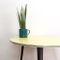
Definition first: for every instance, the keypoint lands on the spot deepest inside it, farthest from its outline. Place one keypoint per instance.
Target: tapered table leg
(40, 53)
(22, 49)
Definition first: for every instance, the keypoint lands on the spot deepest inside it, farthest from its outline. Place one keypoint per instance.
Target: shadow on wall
(49, 53)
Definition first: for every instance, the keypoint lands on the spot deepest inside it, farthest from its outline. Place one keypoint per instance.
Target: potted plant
(23, 32)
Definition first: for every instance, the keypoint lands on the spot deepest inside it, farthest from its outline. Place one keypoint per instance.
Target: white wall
(43, 18)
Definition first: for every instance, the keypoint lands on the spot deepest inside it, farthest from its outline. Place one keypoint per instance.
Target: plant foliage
(22, 17)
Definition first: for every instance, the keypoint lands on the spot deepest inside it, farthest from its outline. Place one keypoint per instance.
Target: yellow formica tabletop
(38, 41)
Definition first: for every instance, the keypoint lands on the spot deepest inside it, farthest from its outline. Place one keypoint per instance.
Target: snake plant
(22, 17)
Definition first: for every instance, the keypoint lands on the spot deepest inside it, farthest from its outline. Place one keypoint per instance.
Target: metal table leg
(40, 53)
(22, 49)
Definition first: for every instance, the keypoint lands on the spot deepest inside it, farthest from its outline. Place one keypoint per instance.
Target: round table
(37, 41)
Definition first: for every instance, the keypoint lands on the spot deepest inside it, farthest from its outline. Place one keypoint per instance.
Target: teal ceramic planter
(23, 33)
